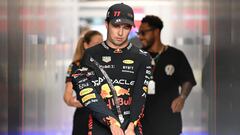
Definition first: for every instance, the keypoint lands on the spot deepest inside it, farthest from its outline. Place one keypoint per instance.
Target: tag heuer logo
(106, 59)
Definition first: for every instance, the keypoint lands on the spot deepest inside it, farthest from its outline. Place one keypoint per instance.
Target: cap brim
(123, 21)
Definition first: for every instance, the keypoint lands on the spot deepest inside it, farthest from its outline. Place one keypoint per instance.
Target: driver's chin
(118, 43)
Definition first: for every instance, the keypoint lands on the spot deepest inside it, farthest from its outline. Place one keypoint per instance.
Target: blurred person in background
(113, 78)
(80, 119)
(171, 70)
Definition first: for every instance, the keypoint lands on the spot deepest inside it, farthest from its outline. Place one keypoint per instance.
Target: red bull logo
(106, 92)
(121, 91)
(122, 102)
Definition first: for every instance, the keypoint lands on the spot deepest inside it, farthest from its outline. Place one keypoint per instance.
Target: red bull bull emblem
(121, 91)
(105, 91)
(106, 94)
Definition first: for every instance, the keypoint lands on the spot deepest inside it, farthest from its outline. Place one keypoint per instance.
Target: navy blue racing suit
(129, 70)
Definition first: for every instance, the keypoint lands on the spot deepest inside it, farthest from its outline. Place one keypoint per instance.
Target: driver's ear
(106, 24)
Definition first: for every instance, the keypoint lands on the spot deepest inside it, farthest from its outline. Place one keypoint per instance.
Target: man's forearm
(186, 89)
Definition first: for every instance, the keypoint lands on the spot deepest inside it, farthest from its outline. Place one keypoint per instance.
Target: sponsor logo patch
(88, 97)
(128, 61)
(106, 59)
(85, 91)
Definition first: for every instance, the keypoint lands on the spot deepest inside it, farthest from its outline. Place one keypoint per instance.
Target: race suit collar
(128, 47)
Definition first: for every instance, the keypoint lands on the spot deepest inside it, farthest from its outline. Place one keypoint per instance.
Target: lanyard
(115, 97)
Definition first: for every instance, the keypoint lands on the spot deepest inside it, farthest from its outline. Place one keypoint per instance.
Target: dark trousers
(80, 122)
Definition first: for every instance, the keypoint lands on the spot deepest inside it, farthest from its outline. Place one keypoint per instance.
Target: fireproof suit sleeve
(90, 98)
(139, 93)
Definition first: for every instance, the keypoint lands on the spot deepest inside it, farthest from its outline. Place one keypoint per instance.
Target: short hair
(153, 21)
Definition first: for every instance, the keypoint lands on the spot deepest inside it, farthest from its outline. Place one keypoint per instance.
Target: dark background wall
(223, 63)
(15, 63)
